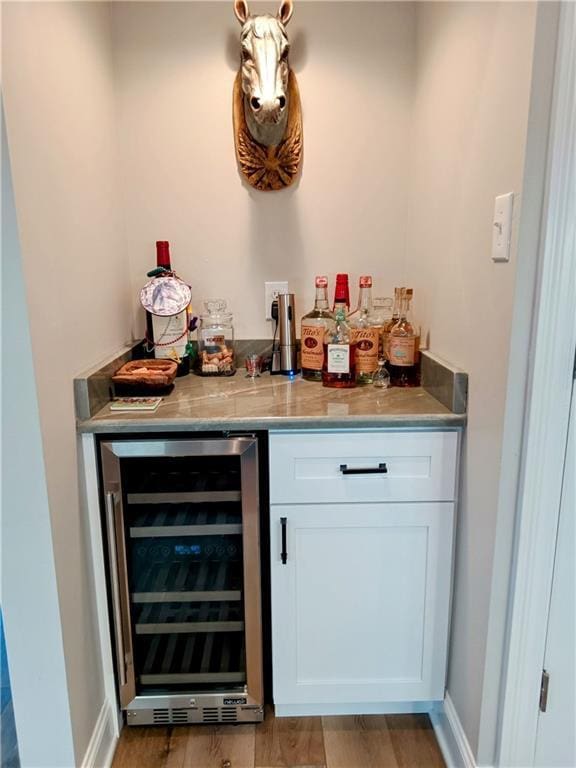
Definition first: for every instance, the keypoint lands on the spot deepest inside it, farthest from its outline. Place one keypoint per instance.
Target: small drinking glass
(381, 377)
(253, 366)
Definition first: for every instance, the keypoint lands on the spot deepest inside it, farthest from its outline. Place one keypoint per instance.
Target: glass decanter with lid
(216, 340)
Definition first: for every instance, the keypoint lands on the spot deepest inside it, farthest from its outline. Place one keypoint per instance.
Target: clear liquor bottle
(339, 368)
(403, 347)
(365, 333)
(312, 331)
(391, 323)
(382, 311)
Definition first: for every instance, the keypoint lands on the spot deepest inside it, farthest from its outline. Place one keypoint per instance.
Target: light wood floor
(375, 741)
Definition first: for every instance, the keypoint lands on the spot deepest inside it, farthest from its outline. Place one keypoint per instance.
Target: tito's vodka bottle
(339, 355)
(365, 334)
(313, 328)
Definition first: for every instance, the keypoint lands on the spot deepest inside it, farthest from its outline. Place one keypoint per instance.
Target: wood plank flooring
(374, 741)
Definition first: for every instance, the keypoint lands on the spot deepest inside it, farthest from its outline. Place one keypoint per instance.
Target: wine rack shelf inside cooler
(216, 658)
(168, 618)
(183, 497)
(189, 581)
(186, 520)
(154, 476)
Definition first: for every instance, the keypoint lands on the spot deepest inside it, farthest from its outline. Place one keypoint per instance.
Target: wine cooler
(182, 525)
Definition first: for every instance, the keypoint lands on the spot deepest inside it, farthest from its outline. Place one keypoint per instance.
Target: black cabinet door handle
(381, 469)
(283, 554)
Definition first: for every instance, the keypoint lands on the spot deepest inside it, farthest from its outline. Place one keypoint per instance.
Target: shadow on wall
(9, 746)
(275, 228)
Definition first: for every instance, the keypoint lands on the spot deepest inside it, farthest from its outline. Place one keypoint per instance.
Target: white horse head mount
(267, 113)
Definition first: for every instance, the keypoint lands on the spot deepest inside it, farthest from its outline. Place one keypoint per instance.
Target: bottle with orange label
(313, 328)
(365, 333)
(403, 345)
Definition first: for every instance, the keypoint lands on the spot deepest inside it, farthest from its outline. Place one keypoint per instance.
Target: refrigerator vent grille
(180, 715)
(219, 715)
(167, 716)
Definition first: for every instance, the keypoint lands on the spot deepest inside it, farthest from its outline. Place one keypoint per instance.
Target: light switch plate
(502, 227)
(271, 291)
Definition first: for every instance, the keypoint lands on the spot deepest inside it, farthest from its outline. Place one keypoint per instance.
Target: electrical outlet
(271, 291)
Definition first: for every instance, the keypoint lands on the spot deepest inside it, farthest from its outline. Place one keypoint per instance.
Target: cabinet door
(360, 607)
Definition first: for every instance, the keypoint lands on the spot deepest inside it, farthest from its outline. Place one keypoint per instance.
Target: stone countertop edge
(92, 387)
(447, 384)
(401, 421)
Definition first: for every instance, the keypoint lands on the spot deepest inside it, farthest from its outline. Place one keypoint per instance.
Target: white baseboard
(451, 738)
(388, 708)
(103, 741)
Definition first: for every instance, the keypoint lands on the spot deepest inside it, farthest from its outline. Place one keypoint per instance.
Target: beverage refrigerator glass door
(183, 538)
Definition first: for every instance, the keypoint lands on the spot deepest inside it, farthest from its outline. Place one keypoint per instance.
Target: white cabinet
(360, 589)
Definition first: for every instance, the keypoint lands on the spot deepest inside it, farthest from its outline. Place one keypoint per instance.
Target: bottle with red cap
(313, 328)
(163, 255)
(341, 294)
(167, 303)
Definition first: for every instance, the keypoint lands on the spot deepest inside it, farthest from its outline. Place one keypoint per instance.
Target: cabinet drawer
(362, 466)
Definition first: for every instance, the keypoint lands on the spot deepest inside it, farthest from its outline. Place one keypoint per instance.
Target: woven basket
(146, 375)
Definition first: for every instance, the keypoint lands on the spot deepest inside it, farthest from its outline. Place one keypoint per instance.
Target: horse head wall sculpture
(267, 113)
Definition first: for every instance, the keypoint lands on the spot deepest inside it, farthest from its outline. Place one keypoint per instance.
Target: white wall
(176, 63)
(469, 131)
(29, 595)
(60, 113)
(520, 371)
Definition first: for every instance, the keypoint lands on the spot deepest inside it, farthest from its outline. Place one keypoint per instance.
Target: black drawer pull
(381, 469)
(283, 554)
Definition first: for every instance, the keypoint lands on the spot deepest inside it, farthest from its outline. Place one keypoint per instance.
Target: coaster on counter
(135, 403)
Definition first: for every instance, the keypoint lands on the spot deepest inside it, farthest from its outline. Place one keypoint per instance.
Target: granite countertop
(276, 402)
